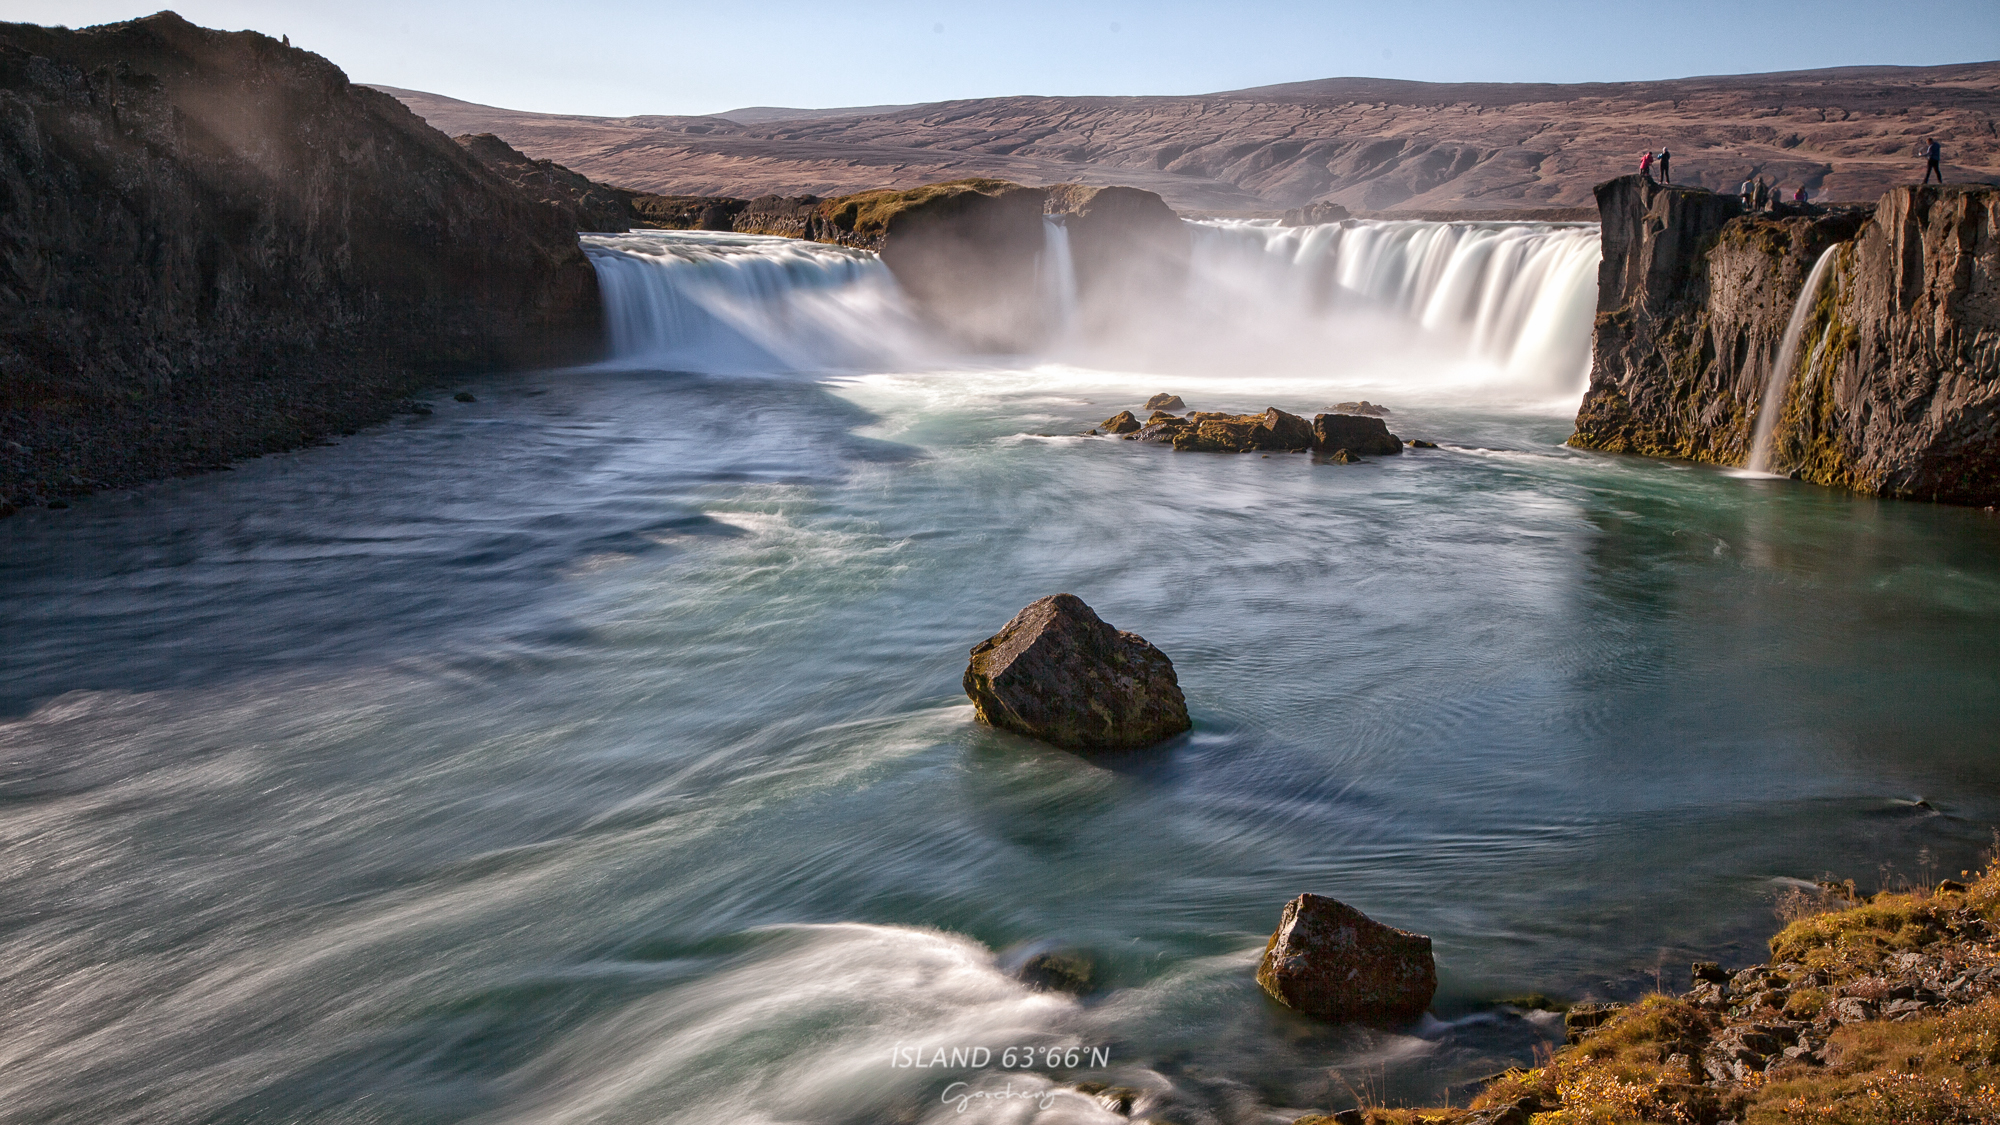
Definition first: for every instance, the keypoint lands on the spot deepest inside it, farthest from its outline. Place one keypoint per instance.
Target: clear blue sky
(627, 56)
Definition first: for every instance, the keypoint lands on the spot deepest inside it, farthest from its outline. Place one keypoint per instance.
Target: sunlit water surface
(595, 751)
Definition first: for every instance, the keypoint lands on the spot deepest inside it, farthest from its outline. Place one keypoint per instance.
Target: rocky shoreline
(1882, 1008)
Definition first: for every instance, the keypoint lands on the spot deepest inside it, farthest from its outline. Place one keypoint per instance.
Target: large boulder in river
(1057, 672)
(1328, 959)
(1273, 431)
(1359, 434)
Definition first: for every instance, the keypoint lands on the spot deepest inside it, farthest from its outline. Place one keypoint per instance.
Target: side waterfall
(1764, 439)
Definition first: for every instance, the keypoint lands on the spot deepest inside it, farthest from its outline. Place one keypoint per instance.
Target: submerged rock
(1363, 407)
(1059, 673)
(1165, 401)
(1359, 434)
(1328, 959)
(1059, 970)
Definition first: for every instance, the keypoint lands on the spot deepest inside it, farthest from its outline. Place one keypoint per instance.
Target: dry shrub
(1903, 1099)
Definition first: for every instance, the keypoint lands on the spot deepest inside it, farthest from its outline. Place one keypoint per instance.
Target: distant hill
(1371, 144)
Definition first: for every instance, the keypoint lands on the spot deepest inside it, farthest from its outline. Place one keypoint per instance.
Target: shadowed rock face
(1060, 674)
(586, 205)
(1895, 386)
(1367, 144)
(967, 259)
(1329, 960)
(217, 246)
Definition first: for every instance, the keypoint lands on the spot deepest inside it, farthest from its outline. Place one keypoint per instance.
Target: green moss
(869, 212)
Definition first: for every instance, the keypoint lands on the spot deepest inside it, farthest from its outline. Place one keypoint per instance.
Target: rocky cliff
(1892, 385)
(215, 245)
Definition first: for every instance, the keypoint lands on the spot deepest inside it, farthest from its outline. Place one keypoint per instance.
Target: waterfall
(723, 302)
(1516, 299)
(1472, 310)
(1056, 274)
(1764, 439)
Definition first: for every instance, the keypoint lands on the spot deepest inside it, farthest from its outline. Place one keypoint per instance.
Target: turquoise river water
(595, 751)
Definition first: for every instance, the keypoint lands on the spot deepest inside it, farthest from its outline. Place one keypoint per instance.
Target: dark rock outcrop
(965, 253)
(584, 204)
(1120, 423)
(217, 246)
(1894, 386)
(1129, 249)
(1328, 959)
(1058, 673)
(1314, 214)
(1362, 435)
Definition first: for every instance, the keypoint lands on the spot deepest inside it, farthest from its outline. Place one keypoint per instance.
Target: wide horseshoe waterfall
(591, 744)
(1500, 312)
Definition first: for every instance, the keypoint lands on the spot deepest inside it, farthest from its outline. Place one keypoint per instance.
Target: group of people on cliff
(1759, 196)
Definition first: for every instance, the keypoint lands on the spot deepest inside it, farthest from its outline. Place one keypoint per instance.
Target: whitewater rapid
(1474, 313)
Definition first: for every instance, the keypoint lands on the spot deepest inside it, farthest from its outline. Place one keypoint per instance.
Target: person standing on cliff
(1646, 164)
(1931, 155)
(1666, 173)
(1747, 193)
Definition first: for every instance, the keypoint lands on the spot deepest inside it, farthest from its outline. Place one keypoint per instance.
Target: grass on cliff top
(1640, 1066)
(869, 212)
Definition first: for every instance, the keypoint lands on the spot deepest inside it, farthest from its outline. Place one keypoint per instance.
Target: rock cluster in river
(1328, 959)
(1057, 672)
(1339, 437)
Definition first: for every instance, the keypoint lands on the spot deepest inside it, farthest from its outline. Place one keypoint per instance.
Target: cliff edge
(215, 246)
(1892, 380)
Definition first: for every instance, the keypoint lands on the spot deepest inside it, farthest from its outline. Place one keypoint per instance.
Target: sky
(620, 57)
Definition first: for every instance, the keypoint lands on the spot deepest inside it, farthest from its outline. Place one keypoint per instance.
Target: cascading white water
(1515, 299)
(1056, 274)
(1486, 311)
(1764, 439)
(722, 302)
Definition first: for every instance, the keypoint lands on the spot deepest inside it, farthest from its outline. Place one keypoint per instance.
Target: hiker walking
(1646, 164)
(1666, 175)
(1931, 154)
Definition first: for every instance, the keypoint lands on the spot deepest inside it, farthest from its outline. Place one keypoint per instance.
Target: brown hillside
(1370, 144)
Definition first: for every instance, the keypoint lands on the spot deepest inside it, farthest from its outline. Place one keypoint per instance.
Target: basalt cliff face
(1893, 383)
(215, 246)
